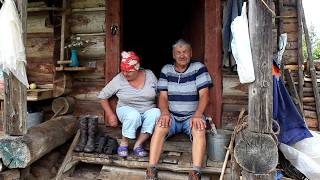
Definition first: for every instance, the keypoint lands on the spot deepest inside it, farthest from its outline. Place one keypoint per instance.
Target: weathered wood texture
(255, 150)
(15, 107)
(19, 152)
(260, 91)
(87, 22)
(300, 52)
(81, 4)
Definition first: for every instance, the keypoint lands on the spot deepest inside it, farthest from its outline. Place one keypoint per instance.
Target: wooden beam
(212, 57)
(311, 65)
(15, 96)
(300, 52)
(256, 150)
(293, 91)
(21, 151)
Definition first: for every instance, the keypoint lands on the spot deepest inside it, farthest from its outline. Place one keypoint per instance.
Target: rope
(266, 5)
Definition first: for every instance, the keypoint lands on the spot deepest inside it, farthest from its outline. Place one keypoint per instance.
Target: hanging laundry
(285, 112)
(231, 11)
(12, 50)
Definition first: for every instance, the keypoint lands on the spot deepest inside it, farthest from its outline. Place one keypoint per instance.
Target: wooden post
(300, 52)
(212, 33)
(15, 96)
(256, 151)
(311, 65)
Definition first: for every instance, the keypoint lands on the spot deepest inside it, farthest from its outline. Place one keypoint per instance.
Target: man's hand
(164, 121)
(198, 123)
(112, 120)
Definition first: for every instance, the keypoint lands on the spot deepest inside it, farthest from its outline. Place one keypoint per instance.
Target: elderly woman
(136, 107)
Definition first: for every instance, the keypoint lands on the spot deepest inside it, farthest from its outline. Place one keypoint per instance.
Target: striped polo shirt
(183, 88)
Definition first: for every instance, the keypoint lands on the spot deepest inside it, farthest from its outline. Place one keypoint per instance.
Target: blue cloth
(233, 9)
(131, 120)
(292, 125)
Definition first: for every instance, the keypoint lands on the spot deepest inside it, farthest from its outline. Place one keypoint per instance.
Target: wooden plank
(39, 94)
(80, 4)
(293, 91)
(15, 107)
(74, 69)
(212, 33)
(40, 47)
(96, 50)
(233, 87)
(89, 9)
(300, 52)
(67, 159)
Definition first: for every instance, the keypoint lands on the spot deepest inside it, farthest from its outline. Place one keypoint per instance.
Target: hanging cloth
(292, 126)
(12, 50)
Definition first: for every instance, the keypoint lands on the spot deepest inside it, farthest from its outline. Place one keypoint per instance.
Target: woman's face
(130, 75)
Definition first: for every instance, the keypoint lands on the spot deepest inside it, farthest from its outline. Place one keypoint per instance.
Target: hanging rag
(285, 112)
(12, 50)
(231, 11)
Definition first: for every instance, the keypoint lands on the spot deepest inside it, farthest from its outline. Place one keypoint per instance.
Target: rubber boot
(83, 121)
(92, 130)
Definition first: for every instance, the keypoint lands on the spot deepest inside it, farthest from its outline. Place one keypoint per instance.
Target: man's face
(182, 55)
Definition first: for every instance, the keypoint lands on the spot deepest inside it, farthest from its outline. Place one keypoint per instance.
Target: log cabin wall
(88, 21)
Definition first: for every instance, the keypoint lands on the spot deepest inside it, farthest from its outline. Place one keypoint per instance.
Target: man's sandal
(123, 151)
(140, 152)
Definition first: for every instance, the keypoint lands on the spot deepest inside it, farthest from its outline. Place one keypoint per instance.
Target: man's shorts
(180, 127)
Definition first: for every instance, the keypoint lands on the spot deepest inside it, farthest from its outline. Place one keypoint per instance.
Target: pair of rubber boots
(88, 131)
(107, 145)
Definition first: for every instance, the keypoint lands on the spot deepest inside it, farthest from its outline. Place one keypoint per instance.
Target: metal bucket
(34, 118)
(216, 144)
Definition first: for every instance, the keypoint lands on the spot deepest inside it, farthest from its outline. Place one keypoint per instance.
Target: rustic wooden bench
(176, 158)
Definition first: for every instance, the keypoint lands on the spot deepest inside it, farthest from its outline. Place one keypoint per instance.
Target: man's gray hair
(181, 42)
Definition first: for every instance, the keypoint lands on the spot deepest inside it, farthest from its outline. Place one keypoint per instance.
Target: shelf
(36, 94)
(37, 9)
(75, 69)
(89, 9)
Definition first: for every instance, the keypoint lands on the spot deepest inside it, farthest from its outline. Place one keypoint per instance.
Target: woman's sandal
(123, 151)
(140, 152)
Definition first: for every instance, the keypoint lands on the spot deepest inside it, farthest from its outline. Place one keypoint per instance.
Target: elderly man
(184, 95)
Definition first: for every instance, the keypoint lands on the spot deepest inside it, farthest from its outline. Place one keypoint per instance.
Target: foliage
(315, 44)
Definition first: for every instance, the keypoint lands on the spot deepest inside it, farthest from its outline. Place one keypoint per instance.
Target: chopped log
(312, 68)
(253, 155)
(311, 122)
(19, 152)
(311, 108)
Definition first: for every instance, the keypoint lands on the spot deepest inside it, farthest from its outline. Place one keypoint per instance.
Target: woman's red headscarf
(130, 61)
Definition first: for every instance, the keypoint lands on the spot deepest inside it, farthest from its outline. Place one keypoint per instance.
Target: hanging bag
(241, 49)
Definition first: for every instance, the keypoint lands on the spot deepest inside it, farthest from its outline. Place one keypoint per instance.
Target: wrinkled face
(182, 55)
(130, 75)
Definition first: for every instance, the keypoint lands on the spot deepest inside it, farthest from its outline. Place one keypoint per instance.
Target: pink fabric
(130, 61)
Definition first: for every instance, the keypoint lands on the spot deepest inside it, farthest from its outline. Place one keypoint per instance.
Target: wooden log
(19, 152)
(311, 64)
(308, 99)
(81, 4)
(38, 24)
(311, 122)
(311, 108)
(253, 155)
(87, 22)
(310, 114)
(261, 151)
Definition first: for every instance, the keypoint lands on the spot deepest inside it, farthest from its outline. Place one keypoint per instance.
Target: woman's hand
(112, 120)
(164, 121)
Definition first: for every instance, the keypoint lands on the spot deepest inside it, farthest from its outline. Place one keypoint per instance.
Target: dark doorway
(150, 28)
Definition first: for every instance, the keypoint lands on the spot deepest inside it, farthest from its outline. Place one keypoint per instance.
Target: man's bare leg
(156, 144)
(198, 147)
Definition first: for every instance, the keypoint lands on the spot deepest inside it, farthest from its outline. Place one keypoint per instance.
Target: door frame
(212, 49)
